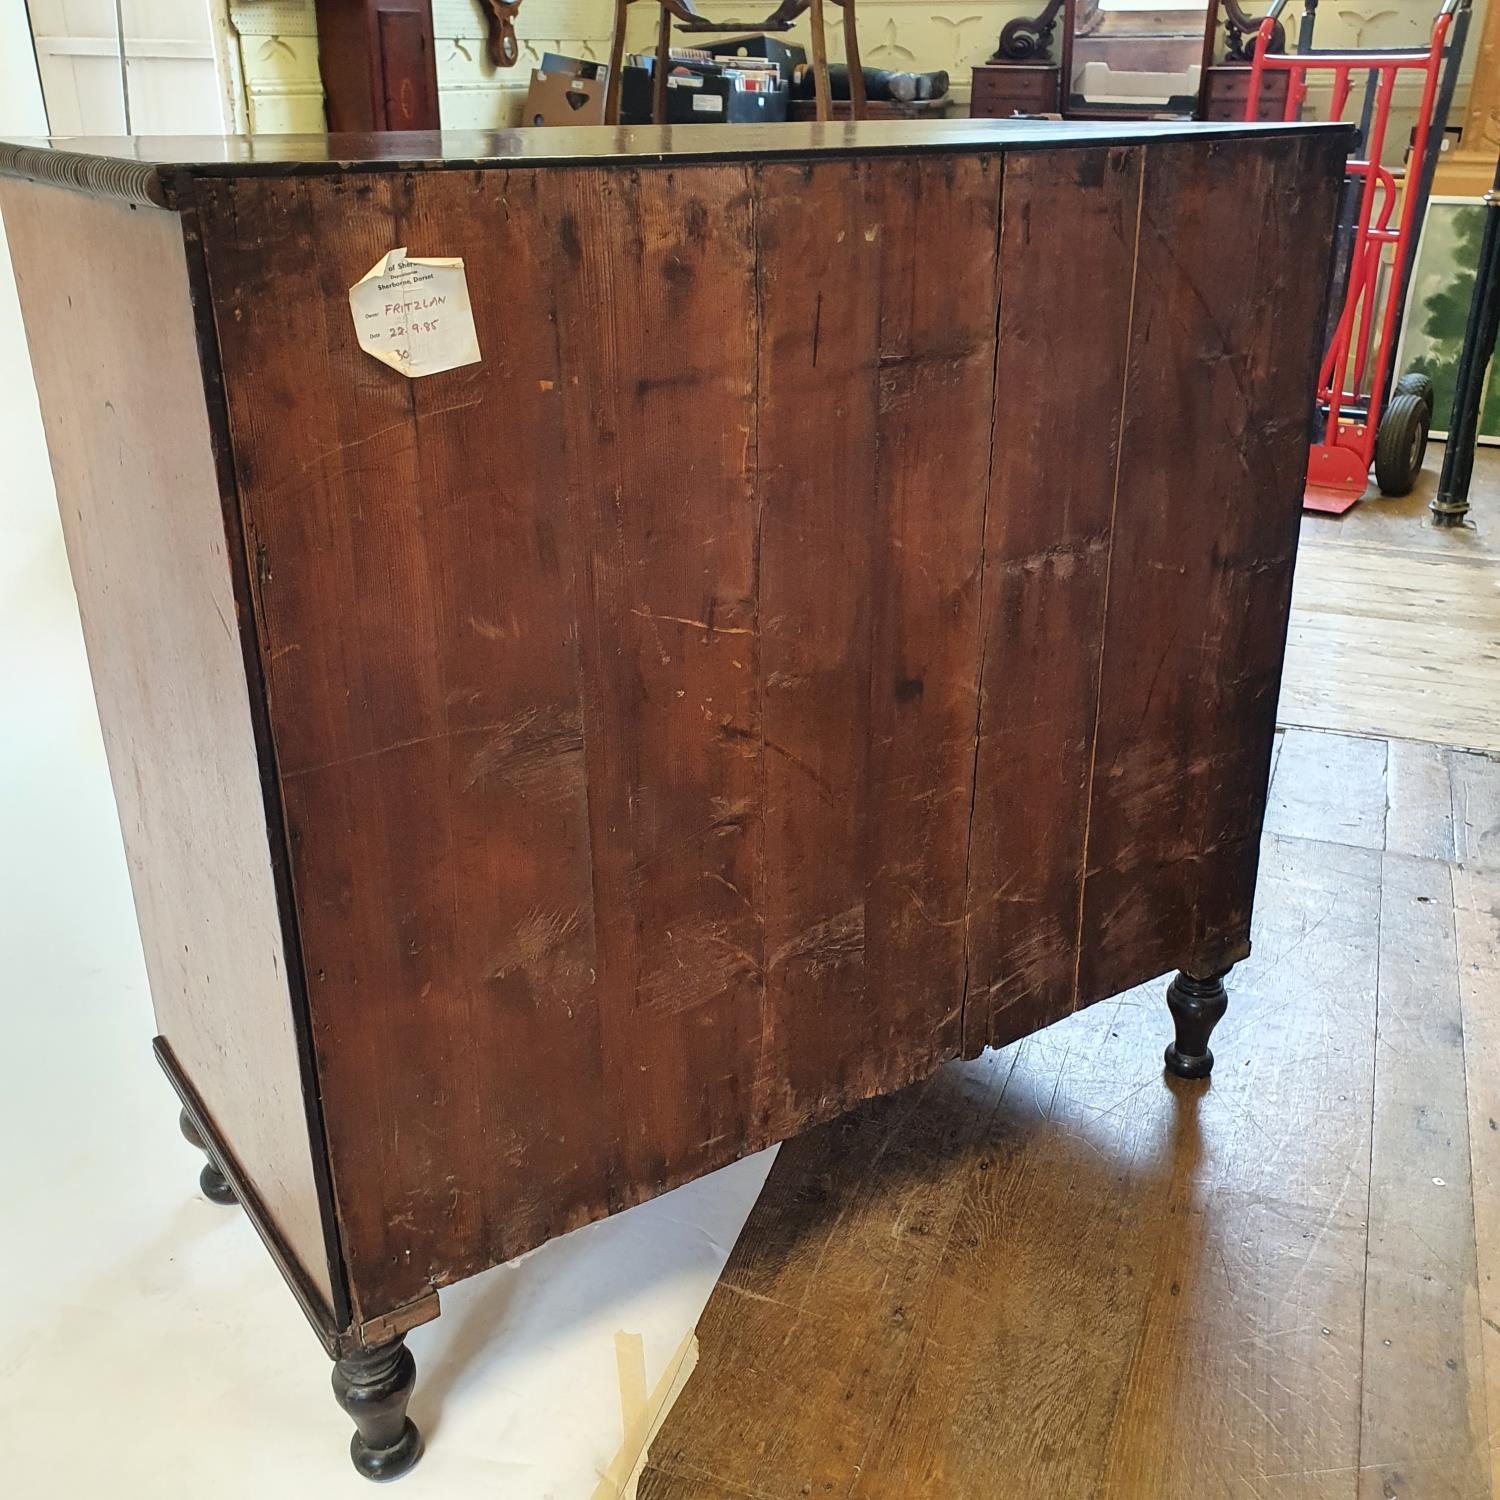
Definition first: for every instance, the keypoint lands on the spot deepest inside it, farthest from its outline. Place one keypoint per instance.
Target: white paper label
(709, 104)
(413, 314)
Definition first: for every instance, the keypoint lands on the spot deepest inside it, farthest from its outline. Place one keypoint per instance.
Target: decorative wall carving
(1030, 38)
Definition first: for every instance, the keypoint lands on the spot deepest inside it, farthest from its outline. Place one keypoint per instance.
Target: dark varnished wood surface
(1181, 756)
(156, 168)
(628, 685)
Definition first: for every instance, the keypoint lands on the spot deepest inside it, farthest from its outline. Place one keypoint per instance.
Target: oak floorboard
(1330, 787)
(1476, 894)
(1476, 810)
(1419, 801)
(1477, 917)
(1395, 626)
(1423, 1418)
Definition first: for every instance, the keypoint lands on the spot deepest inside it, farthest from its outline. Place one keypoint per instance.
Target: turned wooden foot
(373, 1386)
(214, 1183)
(1197, 1006)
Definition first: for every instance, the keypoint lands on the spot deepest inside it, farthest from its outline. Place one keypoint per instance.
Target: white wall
(31, 551)
(174, 89)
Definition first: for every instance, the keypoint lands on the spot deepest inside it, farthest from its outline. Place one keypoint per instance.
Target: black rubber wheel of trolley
(1401, 444)
(1415, 383)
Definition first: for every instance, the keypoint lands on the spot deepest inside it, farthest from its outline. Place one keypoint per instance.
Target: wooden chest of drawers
(834, 627)
(1000, 90)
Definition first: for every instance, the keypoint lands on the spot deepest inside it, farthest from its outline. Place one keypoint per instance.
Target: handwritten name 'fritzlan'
(416, 305)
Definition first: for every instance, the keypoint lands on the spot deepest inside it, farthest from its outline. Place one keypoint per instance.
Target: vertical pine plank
(1424, 1428)
(654, 278)
(819, 244)
(1068, 242)
(933, 427)
(1211, 474)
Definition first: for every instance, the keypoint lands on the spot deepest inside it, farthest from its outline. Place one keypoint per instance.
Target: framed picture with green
(1442, 286)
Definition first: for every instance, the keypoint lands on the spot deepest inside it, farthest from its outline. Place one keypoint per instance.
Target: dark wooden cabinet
(378, 64)
(834, 627)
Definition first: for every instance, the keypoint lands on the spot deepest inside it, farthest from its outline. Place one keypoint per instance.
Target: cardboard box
(565, 97)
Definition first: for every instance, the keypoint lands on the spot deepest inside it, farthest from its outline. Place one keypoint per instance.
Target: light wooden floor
(1396, 624)
(1057, 1273)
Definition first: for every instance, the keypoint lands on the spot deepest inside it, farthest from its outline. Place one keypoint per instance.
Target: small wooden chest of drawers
(1000, 90)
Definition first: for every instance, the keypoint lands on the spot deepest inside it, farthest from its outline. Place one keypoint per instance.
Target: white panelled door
(176, 67)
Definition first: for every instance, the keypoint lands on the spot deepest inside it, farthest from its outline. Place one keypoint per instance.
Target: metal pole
(1451, 503)
(124, 71)
(1309, 22)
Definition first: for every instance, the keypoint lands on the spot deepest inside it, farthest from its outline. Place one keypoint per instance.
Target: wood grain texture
(934, 448)
(1333, 787)
(663, 514)
(1069, 238)
(1071, 1271)
(378, 63)
(819, 517)
(434, 759)
(1393, 628)
(104, 290)
(1281, 1285)
(1476, 810)
(626, 685)
(1215, 417)
(829, 1281)
(1419, 801)
(1477, 917)
(1424, 1428)
(876, 391)
(633, 813)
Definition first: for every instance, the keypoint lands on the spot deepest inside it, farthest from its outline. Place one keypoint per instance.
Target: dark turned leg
(1197, 1006)
(373, 1386)
(215, 1185)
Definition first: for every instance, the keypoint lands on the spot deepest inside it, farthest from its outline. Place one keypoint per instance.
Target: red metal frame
(1338, 467)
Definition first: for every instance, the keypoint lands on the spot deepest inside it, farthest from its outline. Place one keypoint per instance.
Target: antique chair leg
(662, 67)
(616, 58)
(1197, 1006)
(215, 1185)
(374, 1386)
(857, 109)
(823, 89)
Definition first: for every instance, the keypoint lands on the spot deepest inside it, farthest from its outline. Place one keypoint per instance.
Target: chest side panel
(105, 292)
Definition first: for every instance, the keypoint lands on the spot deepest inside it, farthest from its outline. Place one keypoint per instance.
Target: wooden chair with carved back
(692, 22)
